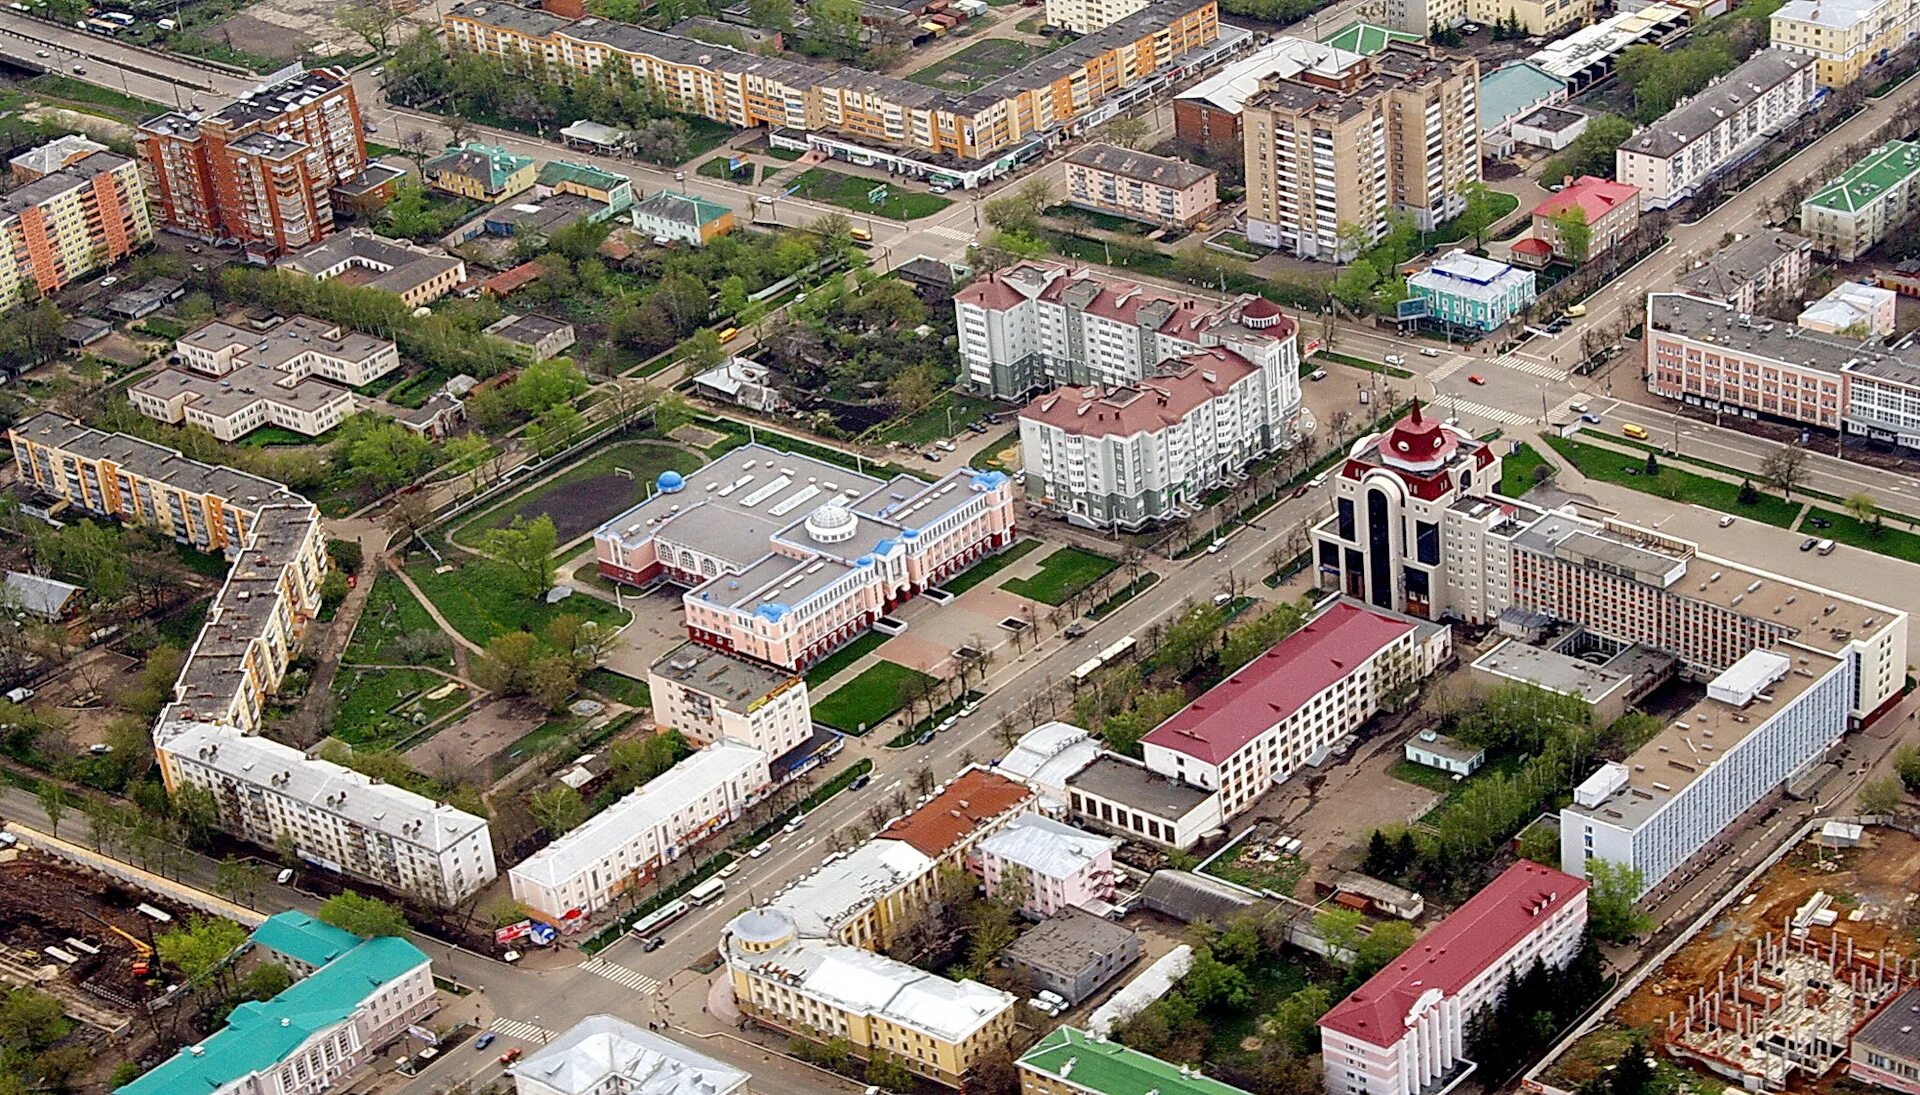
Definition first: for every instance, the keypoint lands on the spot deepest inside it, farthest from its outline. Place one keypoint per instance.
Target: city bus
(646, 926)
(706, 893)
(1120, 649)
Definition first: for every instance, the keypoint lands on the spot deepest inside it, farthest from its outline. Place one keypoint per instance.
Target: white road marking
(613, 971)
(522, 1031)
(1530, 367)
(1481, 410)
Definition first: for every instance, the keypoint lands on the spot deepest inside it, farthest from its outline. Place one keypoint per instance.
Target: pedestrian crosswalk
(1530, 367)
(613, 971)
(1451, 366)
(957, 235)
(521, 1031)
(1480, 410)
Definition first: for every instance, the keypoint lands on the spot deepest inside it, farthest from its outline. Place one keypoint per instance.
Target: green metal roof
(301, 937)
(261, 1034)
(491, 162)
(554, 172)
(1515, 88)
(685, 208)
(1110, 1068)
(1366, 39)
(1884, 168)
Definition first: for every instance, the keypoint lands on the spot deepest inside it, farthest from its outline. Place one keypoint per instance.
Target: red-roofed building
(1612, 210)
(1405, 1030)
(978, 802)
(1532, 253)
(501, 284)
(1288, 706)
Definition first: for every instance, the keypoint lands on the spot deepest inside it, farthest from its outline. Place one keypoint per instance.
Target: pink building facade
(1059, 866)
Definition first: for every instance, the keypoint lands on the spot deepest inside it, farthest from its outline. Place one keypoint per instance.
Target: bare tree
(1785, 468)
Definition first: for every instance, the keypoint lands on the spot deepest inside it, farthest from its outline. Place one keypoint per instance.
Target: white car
(109, 282)
(761, 849)
(764, 200)
(1577, 408)
(1395, 359)
(285, 876)
(1428, 351)
(1726, 520)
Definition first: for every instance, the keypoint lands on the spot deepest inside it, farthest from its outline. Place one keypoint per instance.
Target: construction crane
(141, 965)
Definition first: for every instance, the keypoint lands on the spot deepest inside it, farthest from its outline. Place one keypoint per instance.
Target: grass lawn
(869, 698)
(479, 600)
(849, 192)
(1125, 593)
(267, 437)
(1672, 483)
(825, 668)
(931, 424)
(988, 567)
(163, 327)
(378, 707)
(703, 134)
(586, 494)
(979, 64)
(715, 168)
(1123, 225)
(1362, 363)
(1517, 469)
(618, 686)
(1900, 543)
(787, 154)
(1062, 574)
(1242, 244)
(391, 611)
(1270, 980)
(80, 92)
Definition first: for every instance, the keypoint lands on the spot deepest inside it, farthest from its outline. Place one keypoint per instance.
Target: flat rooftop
(1553, 671)
(1705, 321)
(1069, 941)
(738, 684)
(1117, 780)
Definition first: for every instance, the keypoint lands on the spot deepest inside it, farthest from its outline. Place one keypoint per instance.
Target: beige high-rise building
(1330, 155)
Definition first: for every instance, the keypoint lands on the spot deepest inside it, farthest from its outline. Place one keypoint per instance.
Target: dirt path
(305, 726)
(462, 646)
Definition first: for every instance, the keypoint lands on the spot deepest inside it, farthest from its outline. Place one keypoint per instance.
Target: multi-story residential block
(1059, 867)
(1147, 452)
(1405, 1030)
(1712, 356)
(1853, 310)
(1087, 16)
(1851, 214)
(330, 815)
(79, 209)
(1757, 269)
(1208, 114)
(1610, 211)
(1543, 18)
(296, 375)
(1073, 953)
(1140, 186)
(970, 808)
(260, 170)
(1069, 1061)
(1036, 325)
(967, 138)
(1286, 709)
(613, 190)
(1468, 291)
(707, 696)
(416, 274)
(789, 557)
(606, 1055)
(864, 898)
(532, 338)
(480, 172)
(692, 220)
(1329, 157)
(314, 1035)
(1845, 38)
(1717, 128)
(626, 845)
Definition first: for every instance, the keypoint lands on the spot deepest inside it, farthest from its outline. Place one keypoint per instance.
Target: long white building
(296, 375)
(606, 1055)
(1037, 325)
(626, 844)
(1718, 128)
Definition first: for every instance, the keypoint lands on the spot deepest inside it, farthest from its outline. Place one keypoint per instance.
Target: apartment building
(1036, 325)
(1087, 16)
(606, 1055)
(611, 189)
(1069, 1061)
(1610, 211)
(1130, 456)
(296, 375)
(864, 898)
(692, 220)
(1845, 38)
(313, 1036)
(331, 816)
(1287, 708)
(789, 557)
(1850, 215)
(1756, 269)
(1328, 157)
(479, 172)
(80, 209)
(1058, 867)
(1140, 186)
(1717, 129)
(850, 113)
(1405, 1030)
(416, 274)
(708, 695)
(586, 870)
(1541, 18)
(261, 169)
(1208, 114)
(1470, 292)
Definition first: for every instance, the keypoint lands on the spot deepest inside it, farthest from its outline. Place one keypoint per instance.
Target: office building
(606, 1055)
(1289, 706)
(1845, 38)
(708, 695)
(261, 169)
(1851, 310)
(1036, 325)
(1467, 291)
(586, 870)
(1609, 210)
(478, 172)
(1140, 186)
(1072, 954)
(1405, 1030)
(300, 942)
(1058, 867)
(1717, 129)
(1550, 127)
(78, 209)
(1609, 677)
(1853, 213)
(1208, 114)
(418, 275)
(1118, 794)
(298, 376)
(1069, 1061)
(788, 557)
(691, 220)
(1087, 16)
(1329, 156)
(1137, 454)
(312, 1037)
(1756, 270)
(1586, 57)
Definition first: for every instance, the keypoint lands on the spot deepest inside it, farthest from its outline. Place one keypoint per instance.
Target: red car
(1476, 378)
(511, 1055)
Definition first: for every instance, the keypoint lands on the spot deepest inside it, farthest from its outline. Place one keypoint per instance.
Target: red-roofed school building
(1405, 1030)
(1287, 707)
(1612, 210)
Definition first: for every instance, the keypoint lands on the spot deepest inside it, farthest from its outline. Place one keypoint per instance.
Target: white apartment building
(1287, 707)
(1037, 325)
(1851, 214)
(626, 844)
(1059, 867)
(236, 381)
(707, 696)
(1405, 1030)
(332, 816)
(606, 1055)
(1130, 456)
(1718, 128)
(1087, 16)
(1844, 37)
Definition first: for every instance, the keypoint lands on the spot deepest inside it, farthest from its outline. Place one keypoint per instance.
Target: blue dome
(989, 480)
(670, 482)
(909, 534)
(771, 611)
(863, 561)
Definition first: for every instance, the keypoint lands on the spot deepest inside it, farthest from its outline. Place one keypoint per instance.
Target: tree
(53, 803)
(1128, 131)
(1574, 236)
(366, 917)
(1747, 496)
(372, 21)
(547, 383)
(265, 981)
(1785, 468)
(558, 809)
(526, 548)
(888, 1074)
(30, 1020)
(197, 812)
(1592, 152)
(1481, 208)
(1633, 1074)
(638, 761)
(239, 880)
(1612, 888)
(1296, 1021)
(553, 680)
(1213, 983)
(1881, 796)
(1339, 928)
(507, 665)
(1652, 466)
(1906, 765)
(1354, 287)
(1863, 507)
(201, 947)
(1380, 946)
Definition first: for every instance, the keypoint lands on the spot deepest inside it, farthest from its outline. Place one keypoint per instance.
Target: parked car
(1808, 544)
(1826, 547)
(1317, 374)
(1726, 520)
(1394, 359)
(8, 840)
(1590, 417)
(1428, 351)
(484, 1040)
(860, 781)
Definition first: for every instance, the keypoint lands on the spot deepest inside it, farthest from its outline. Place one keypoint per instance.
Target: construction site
(1770, 991)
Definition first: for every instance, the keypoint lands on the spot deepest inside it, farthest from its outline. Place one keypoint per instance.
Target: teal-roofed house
(301, 943)
(482, 172)
(1072, 1062)
(1469, 291)
(684, 217)
(609, 188)
(1510, 93)
(317, 1033)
